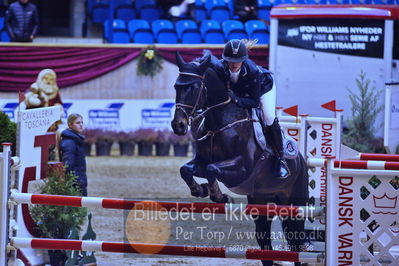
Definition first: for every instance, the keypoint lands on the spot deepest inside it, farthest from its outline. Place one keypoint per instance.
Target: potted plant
(162, 143)
(8, 131)
(180, 144)
(145, 138)
(126, 142)
(58, 221)
(104, 141)
(90, 139)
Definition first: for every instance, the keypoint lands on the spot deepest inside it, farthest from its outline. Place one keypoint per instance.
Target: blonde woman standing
(72, 150)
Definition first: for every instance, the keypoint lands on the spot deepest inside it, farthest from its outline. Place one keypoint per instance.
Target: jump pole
(5, 163)
(378, 157)
(356, 164)
(193, 251)
(190, 207)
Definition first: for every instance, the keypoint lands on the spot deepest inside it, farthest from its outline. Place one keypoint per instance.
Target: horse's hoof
(229, 199)
(223, 198)
(205, 190)
(199, 191)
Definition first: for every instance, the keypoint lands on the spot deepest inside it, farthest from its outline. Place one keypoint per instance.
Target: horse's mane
(197, 61)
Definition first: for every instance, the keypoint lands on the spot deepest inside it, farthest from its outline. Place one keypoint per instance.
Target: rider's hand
(232, 96)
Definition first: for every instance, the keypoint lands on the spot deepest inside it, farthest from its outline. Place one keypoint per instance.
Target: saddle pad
(290, 145)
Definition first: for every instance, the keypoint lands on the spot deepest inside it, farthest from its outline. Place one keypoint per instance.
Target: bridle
(194, 115)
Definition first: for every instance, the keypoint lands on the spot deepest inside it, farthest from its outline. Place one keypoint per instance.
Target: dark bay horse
(226, 150)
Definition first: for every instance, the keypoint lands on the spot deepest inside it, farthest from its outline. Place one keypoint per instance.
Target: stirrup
(284, 170)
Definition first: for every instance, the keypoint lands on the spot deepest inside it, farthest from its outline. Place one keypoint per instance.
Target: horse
(226, 150)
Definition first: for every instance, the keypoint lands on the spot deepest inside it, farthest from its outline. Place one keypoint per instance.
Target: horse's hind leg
(263, 229)
(295, 234)
(228, 172)
(294, 228)
(187, 173)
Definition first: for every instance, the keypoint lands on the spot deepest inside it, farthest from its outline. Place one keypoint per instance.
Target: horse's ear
(179, 60)
(205, 64)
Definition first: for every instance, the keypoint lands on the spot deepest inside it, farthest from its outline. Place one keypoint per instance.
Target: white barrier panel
(391, 124)
(319, 137)
(362, 216)
(32, 148)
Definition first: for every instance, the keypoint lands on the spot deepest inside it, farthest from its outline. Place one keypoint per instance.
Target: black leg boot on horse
(274, 134)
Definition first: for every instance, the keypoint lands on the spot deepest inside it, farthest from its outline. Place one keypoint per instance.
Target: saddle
(291, 150)
(249, 186)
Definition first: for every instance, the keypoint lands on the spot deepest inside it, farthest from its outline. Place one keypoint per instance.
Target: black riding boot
(276, 138)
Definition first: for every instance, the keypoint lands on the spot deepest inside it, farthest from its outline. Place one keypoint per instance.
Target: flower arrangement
(125, 136)
(145, 135)
(105, 136)
(90, 135)
(176, 139)
(163, 136)
(149, 62)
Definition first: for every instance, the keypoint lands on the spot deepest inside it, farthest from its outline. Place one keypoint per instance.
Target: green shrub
(360, 134)
(8, 131)
(57, 221)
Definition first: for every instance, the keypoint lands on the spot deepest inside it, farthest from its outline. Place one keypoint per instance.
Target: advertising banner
(115, 114)
(359, 37)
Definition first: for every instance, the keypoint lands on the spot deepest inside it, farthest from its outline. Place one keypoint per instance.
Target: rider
(248, 86)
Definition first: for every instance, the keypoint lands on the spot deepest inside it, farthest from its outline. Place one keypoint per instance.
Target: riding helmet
(235, 51)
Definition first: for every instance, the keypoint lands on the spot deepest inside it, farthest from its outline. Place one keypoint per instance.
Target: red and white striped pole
(356, 164)
(378, 157)
(190, 207)
(158, 249)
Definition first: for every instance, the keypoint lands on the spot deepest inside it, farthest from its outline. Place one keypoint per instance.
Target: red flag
(292, 110)
(21, 97)
(330, 106)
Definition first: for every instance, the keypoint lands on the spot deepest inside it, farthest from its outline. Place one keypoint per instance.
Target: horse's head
(190, 92)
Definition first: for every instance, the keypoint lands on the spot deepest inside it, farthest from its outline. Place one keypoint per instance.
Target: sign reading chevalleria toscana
(359, 37)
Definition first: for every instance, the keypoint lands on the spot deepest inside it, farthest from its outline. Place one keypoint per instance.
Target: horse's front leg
(187, 172)
(229, 172)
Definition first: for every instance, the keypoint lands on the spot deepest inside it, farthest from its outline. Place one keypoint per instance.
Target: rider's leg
(268, 104)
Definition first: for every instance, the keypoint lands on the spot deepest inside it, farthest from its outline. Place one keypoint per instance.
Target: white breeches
(268, 105)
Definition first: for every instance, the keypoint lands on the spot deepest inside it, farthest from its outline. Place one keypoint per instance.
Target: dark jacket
(252, 83)
(22, 21)
(74, 157)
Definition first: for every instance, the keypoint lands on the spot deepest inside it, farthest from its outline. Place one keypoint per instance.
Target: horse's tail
(300, 195)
